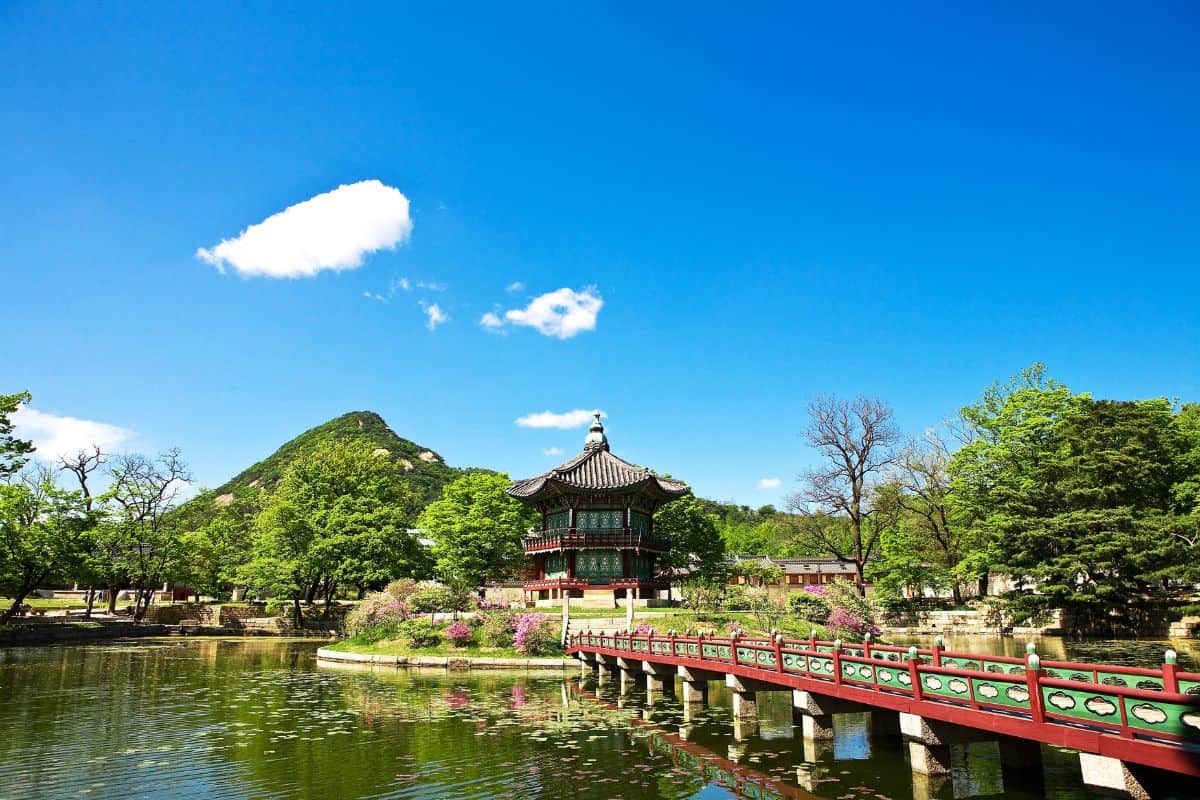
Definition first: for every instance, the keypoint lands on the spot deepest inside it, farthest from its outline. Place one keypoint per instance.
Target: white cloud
(564, 421)
(561, 313)
(491, 321)
(55, 436)
(552, 451)
(373, 296)
(434, 314)
(334, 230)
(514, 287)
(769, 483)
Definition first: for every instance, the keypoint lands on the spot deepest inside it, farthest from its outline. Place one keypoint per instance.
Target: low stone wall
(1186, 628)
(85, 632)
(446, 662)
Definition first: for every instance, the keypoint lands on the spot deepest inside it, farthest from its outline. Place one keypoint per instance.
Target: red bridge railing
(1162, 705)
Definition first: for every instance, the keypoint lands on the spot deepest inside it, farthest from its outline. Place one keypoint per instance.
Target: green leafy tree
(14, 452)
(42, 528)
(218, 537)
(476, 529)
(998, 477)
(696, 543)
(337, 518)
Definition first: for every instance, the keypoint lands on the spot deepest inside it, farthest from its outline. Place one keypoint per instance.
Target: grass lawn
(50, 603)
(398, 648)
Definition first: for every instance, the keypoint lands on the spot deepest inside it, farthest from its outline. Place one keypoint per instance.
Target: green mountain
(423, 469)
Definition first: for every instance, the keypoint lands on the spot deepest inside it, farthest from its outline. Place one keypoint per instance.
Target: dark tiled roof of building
(598, 470)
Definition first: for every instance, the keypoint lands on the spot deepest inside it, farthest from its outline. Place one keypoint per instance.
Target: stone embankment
(445, 662)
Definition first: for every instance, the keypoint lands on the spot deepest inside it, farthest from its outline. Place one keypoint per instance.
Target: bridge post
(695, 685)
(745, 699)
(1111, 776)
(660, 680)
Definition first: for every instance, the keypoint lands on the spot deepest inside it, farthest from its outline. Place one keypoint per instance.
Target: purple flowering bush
(535, 634)
(458, 633)
(645, 629)
(380, 614)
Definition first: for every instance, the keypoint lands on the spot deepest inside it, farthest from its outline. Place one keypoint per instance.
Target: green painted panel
(556, 566)
(1001, 693)
(1189, 687)
(710, 651)
(607, 519)
(1082, 704)
(946, 686)
(559, 519)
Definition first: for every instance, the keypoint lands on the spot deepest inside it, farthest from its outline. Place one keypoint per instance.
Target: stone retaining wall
(446, 662)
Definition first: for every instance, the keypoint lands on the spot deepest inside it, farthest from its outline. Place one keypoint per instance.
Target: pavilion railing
(1134, 702)
(577, 538)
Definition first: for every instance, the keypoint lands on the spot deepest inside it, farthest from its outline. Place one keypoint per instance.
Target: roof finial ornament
(596, 440)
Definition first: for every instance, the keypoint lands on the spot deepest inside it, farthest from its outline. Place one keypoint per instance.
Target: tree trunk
(15, 607)
(91, 595)
(297, 615)
(957, 593)
(112, 600)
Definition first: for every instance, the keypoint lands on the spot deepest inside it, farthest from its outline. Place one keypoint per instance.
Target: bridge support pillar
(1111, 776)
(695, 685)
(815, 712)
(745, 698)
(929, 742)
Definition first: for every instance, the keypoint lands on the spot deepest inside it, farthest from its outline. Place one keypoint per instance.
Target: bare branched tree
(857, 439)
(145, 489)
(82, 464)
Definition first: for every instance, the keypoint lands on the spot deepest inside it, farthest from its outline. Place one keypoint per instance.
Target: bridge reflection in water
(1127, 723)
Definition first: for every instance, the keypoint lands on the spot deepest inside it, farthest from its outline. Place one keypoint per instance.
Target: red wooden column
(1169, 670)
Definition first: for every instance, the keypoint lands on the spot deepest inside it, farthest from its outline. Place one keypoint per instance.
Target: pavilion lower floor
(615, 594)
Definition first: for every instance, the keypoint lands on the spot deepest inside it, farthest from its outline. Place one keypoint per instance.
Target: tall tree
(14, 452)
(999, 473)
(144, 491)
(857, 439)
(337, 518)
(696, 543)
(476, 530)
(40, 530)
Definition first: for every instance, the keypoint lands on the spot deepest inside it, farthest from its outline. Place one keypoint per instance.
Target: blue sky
(769, 204)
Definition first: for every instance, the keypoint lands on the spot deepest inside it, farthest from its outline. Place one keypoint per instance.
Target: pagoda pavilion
(596, 540)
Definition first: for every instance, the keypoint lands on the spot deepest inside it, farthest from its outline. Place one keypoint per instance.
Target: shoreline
(447, 662)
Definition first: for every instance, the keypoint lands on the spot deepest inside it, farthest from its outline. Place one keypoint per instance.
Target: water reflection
(259, 719)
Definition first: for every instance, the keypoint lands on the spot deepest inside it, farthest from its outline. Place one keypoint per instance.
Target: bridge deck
(1143, 716)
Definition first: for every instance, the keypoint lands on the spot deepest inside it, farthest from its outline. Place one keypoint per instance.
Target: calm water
(260, 719)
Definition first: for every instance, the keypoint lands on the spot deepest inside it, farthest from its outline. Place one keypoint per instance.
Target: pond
(254, 718)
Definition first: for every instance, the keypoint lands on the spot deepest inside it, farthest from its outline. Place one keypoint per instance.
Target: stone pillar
(929, 759)
(695, 692)
(745, 705)
(1111, 776)
(816, 727)
(814, 713)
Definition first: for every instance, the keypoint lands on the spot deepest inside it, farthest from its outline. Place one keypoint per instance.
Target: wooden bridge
(1120, 719)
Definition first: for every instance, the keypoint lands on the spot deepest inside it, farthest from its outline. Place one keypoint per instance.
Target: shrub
(496, 629)
(810, 606)
(431, 597)
(377, 617)
(419, 632)
(645, 629)
(844, 594)
(535, 634)
(844, 623)
(737, 598)
(458, 633)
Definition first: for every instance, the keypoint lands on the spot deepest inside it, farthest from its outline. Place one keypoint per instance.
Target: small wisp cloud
(769, 483)
(434, 315)
(575, 418)
(561, 314)
(332, 231)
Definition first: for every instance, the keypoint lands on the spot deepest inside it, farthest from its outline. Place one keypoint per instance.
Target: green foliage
(1082, 497)
(842, 594)
(497, 628)
(433, 597)
(696, 543)
(808, 606)
(337, 518)
(476, 529)
(703, 595)
(737, 598)
(419, 632)
(43, 532)
(758, 572)
(422, 470)
(14, 452)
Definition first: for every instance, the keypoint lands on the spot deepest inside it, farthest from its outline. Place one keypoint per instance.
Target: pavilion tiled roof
(598, 470)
